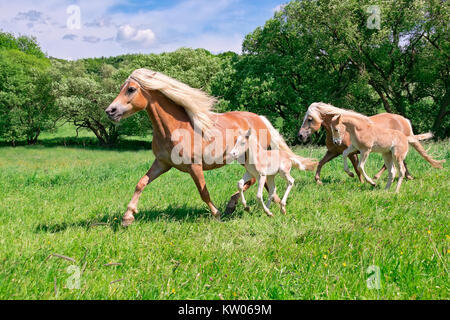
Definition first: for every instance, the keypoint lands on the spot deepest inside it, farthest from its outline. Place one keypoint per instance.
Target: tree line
(393, 57)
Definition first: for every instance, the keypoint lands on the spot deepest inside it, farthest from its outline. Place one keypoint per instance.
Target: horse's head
(337, 129)
(130, 100)
(242, 144)
(311, 123)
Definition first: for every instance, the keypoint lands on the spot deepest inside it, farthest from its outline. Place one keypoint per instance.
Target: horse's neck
(326, 124)
(251, 154)
(165, 115)
(354, 124)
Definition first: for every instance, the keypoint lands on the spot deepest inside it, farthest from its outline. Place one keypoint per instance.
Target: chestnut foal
(366, 137)
(264, 165)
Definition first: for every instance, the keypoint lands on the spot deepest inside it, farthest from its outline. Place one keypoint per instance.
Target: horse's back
(239, 120)
(393, 121)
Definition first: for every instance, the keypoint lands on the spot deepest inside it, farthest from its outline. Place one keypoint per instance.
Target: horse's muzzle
(114, 113)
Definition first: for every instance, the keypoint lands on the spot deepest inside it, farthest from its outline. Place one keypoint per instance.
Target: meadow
(69, 200)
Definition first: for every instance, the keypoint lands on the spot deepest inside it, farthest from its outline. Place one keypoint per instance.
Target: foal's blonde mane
(317, 109)
(197, 104)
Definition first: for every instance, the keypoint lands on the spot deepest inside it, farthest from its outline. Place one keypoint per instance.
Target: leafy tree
(82, 98)
(26, 105)
(325, 51)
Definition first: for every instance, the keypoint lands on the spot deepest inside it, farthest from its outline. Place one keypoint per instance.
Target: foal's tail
(301, 163)
(423, 136)
(277, 140)
(414, 141)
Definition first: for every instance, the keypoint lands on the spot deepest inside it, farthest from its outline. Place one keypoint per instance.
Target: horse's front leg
(231, 206)
(259, 195)
(241, 185)
(157, 169)
(196, 172)
(345, 154)
(362, 162)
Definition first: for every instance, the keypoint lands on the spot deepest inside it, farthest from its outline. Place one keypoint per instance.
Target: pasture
(70, 201)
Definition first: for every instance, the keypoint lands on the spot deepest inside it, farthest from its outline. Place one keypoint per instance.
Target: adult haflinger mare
(187, 134)
(320, 114)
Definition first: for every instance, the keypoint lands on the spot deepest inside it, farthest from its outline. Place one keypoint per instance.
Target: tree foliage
(327, 51)
(26, 105)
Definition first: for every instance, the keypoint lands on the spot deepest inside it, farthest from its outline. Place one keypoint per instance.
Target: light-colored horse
(187, 134)
(264, 165)
(366, 137)
(318, 115)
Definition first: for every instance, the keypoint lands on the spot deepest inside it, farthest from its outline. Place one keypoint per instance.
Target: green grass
(69, 201)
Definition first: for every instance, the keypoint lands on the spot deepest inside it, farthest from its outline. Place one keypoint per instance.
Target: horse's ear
(336, 117)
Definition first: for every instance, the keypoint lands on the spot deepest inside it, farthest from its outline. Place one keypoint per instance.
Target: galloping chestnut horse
(187, 134)
(320, 114)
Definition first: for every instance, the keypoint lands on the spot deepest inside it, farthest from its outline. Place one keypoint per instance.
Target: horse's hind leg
(354, 160)
(379, 173)
(401, 172)
(389, 164)
(407, 173)
(196, 172)
(271, 189)
(327, 157)
(155, 171)
(290, 181)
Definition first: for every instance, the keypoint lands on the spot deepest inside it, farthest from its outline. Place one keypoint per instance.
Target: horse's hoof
(217, 215)
(283, 210)
(350, 174)
(319, 182)
(127, 221)
(231, 207)
(269, 214)
(409, 178)
(376, 178)
(247, 208)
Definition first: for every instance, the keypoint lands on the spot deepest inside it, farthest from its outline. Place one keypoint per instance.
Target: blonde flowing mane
(197, 104)
(317, 109)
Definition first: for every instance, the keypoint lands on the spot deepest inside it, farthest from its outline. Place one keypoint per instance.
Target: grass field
(69, 201)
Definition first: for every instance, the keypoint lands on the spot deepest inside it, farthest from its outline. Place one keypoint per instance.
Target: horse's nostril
(113, 110)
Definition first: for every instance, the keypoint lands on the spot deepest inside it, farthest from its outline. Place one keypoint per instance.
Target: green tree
(26, 105)
(329, 51)
(83, 96)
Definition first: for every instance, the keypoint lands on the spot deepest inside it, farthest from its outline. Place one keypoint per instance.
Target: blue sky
(86, 28)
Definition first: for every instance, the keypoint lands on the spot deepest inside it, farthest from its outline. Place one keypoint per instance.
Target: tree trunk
(441, 115)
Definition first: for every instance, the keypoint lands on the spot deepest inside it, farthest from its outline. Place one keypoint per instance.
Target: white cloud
(108, 30)
(129, 36)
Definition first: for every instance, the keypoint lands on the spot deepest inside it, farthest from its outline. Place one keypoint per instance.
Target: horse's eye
(309, 120)
(131, 89)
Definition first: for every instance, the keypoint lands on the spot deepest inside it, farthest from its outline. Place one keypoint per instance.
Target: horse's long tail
(304, 163)
(277, 140)
(424, 136)
(414, 141)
